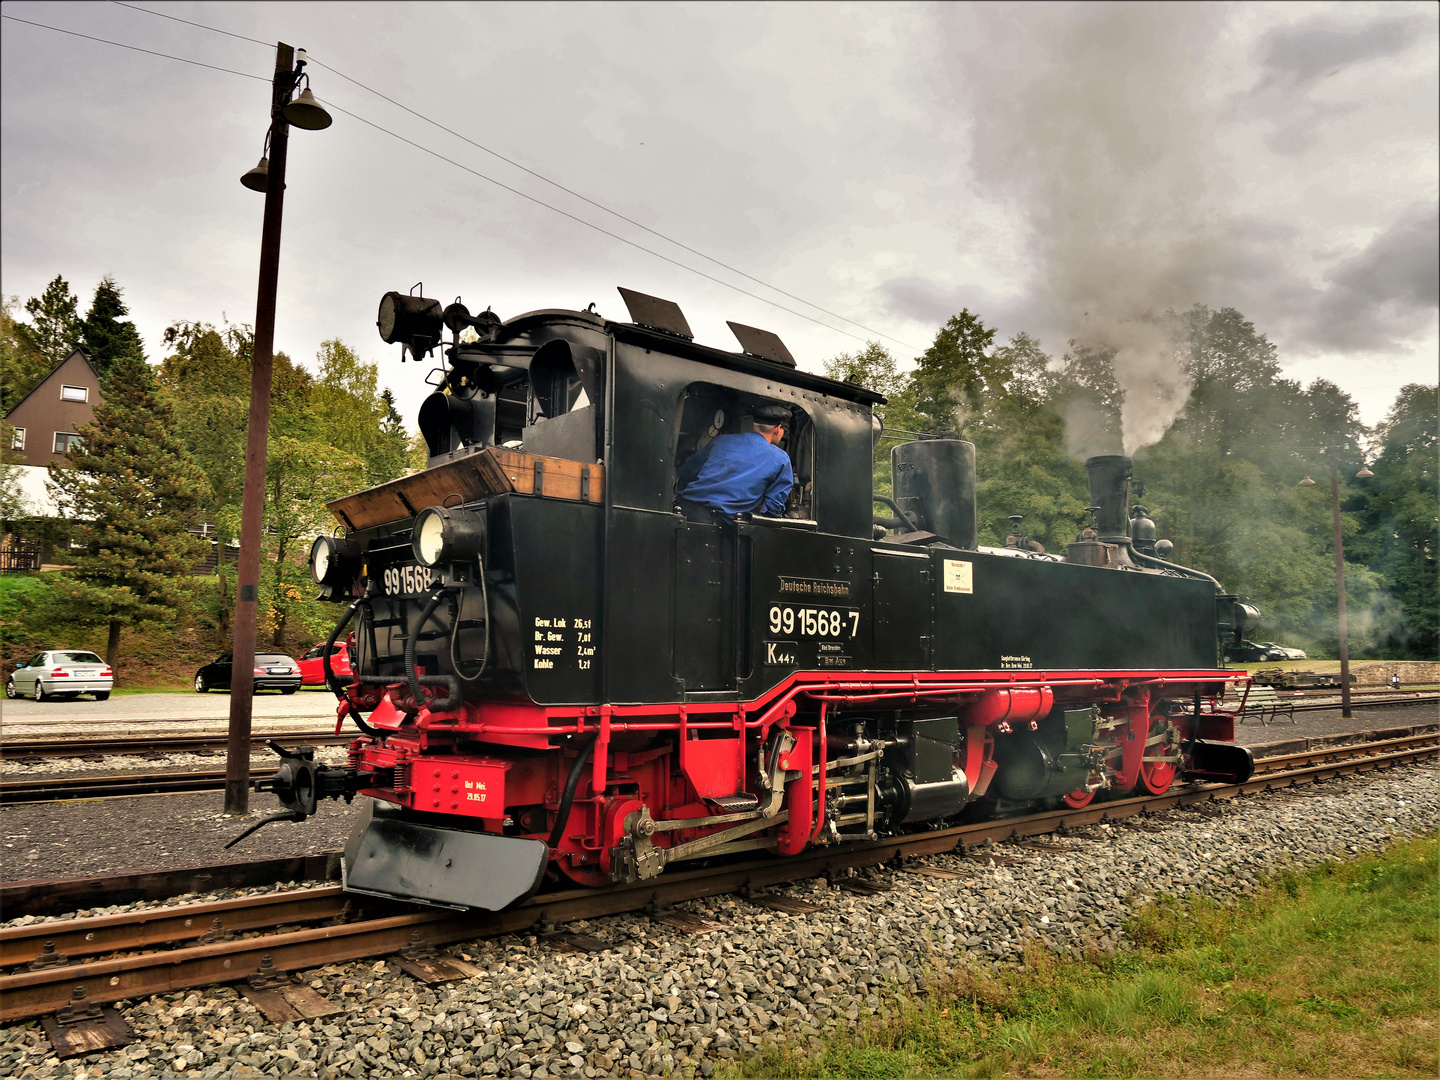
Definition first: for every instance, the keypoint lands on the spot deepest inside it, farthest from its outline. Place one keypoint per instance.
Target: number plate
(408, 579)
(817, 623)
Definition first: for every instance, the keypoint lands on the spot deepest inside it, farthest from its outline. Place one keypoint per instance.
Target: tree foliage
(26, 349)
(54, 327)
(1222, 480)
(129, 492)
(105, 335)
(1399, 517)
(329, 435)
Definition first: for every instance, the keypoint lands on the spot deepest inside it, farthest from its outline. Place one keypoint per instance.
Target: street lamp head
(306, 113)
(258, 178)
(1364, 473)
(1307, 482)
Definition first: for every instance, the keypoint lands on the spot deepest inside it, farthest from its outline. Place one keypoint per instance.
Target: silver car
(62, 673)
(1282, 652)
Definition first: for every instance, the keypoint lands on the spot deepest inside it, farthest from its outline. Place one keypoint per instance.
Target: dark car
(312, 664)
(273, 671)
(1248, 652)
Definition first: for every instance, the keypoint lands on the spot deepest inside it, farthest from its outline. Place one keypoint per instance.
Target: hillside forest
(1221, 468)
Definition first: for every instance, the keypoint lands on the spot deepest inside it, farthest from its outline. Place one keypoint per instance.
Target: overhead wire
(561, 187)
(579, 220)
(133, 48)
(187, 22)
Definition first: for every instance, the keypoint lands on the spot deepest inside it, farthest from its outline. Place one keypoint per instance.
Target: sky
(835, 173)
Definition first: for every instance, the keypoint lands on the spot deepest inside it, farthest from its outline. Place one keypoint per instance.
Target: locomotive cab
(558, 674)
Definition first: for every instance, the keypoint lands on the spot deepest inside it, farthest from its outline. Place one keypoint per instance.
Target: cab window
(708, 411)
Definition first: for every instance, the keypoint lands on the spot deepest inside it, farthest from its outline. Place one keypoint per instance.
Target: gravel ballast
(659, 1000)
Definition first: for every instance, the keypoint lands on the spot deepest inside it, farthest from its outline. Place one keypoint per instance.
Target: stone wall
(1412, 672)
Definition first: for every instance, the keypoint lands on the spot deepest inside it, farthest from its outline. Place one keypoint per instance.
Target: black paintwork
(691, 610)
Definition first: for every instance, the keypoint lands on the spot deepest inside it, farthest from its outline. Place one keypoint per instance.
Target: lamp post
(1331, 455)
(269, 177)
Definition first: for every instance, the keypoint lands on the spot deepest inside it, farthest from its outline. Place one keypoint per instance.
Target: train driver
(740, 473)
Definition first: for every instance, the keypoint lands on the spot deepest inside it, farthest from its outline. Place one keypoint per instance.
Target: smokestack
(1110, 490)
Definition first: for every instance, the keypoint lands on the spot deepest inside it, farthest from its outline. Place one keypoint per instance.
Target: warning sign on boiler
(959, 576)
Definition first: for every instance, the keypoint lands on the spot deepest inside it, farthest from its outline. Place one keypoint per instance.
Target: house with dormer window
(40, 428)
(45, 422)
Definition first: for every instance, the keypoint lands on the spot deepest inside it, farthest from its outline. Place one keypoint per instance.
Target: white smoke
(1091, 121)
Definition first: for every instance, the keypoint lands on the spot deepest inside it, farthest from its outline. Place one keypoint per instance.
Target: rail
(51, 981)
(28, 749)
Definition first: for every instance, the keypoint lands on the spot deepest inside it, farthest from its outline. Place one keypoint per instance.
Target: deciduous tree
(21, 364)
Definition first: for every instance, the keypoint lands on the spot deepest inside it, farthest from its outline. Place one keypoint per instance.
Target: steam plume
(1103, 126)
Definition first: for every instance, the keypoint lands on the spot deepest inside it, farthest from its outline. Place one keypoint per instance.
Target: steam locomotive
(557, 672)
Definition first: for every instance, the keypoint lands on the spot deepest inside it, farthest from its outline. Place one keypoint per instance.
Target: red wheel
(1157, 776)
(590, 877)
(1080, 799)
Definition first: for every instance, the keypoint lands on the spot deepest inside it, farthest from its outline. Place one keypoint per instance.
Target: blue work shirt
(736, 474)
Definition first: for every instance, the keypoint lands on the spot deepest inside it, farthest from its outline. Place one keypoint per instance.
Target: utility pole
(252, 508)
(1340, 585)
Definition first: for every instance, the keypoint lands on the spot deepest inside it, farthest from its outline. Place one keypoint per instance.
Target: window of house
(66, 439)
(74, 393)
(17, 439)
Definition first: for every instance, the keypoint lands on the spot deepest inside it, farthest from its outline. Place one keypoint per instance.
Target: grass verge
(1329, 972)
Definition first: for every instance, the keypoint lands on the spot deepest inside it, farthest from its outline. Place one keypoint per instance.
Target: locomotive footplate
(391, 856)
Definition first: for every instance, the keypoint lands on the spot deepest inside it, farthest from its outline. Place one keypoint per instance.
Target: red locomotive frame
(667, 763)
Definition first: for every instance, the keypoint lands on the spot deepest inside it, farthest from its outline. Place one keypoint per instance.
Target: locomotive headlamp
(445, 535)
(334, 563)
(409, 320)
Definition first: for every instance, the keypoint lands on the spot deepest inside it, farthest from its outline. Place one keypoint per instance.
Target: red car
(312, 667)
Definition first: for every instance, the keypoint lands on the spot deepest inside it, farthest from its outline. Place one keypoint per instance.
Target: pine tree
(129, 491)
(54, 328)
(103, 335)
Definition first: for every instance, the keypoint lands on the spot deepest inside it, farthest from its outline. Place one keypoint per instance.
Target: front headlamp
(445, 535)
(334, 564)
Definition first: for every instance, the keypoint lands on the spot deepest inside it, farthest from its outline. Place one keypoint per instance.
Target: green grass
(1331, 972)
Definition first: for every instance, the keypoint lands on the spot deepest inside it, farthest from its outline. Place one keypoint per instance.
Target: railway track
(307, 927)
(170, 782)
(214, 741)
(1366, 703)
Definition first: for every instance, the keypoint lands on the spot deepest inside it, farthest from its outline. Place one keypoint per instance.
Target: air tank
(1110, 490)
(934, 482)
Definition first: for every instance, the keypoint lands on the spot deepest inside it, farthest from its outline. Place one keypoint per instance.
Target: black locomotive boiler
(557, 672)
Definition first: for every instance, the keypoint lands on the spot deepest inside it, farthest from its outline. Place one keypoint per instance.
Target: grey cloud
(913, 297)
(1094, 122)
(1388, 291)
(1296, 57)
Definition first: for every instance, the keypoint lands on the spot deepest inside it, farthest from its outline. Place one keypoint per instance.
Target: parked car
(1282, 652)
(1250, 652)
(273, 671)
(312, 664)
(62, 673)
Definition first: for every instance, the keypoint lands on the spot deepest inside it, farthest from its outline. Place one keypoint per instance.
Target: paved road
(155, 711)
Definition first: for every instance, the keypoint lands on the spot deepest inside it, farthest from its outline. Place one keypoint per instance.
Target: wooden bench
(1265, 705)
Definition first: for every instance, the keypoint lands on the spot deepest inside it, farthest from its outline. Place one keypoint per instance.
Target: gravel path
(154, 832)
(1329, 722)
(659, 1000)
